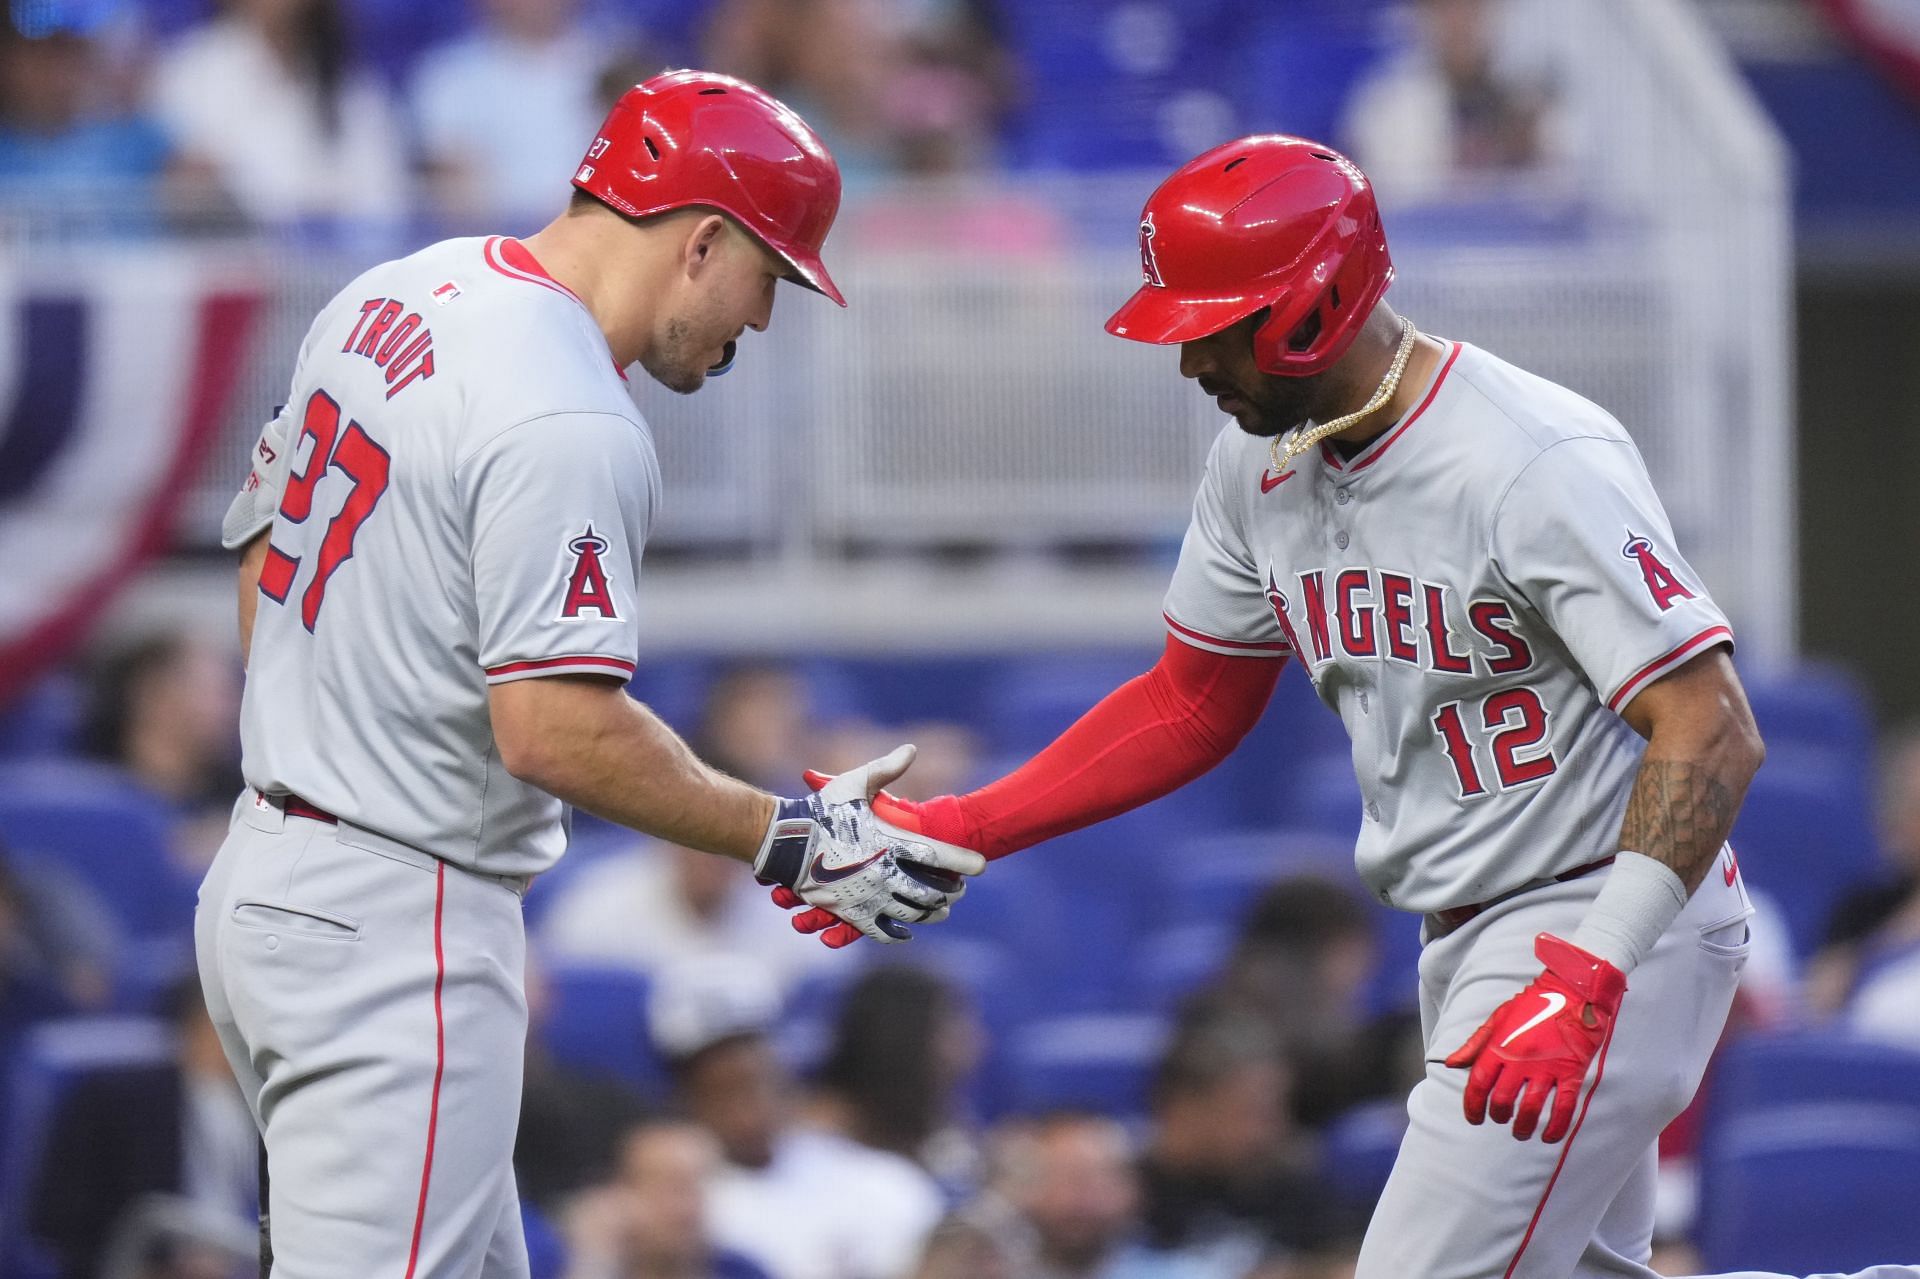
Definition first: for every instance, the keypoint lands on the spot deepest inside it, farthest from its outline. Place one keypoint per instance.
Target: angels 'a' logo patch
(1662, 583)
(587, 580)
(1149, 266)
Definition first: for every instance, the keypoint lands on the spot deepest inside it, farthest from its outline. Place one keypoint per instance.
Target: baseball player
(440, 592)
(1472, 566)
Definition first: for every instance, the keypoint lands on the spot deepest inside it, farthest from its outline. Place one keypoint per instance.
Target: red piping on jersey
(515, 261)
(1371, 454)
(1659, 664)
(1599, 1070)
(1257, 646)
(548, 663)
(439, 1061)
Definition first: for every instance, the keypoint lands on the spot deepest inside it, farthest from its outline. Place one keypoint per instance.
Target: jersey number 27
(360, 460)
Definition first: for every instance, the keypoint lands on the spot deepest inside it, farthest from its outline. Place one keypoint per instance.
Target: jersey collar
(515, 261)
(1375, 449)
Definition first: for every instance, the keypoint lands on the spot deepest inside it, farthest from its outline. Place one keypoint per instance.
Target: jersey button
(1373, 810)
(1342, 496)
(1340, 540)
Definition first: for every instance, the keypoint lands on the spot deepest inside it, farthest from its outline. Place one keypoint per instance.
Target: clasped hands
(836, 852)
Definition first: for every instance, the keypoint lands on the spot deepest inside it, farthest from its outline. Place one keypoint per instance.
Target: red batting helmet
(1266, 222)
(695, 138)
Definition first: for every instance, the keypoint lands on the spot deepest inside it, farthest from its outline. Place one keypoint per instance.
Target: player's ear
(703, 242)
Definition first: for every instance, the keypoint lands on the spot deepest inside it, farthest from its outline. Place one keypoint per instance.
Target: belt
(294, 806)
(297, 807)
(1454, 916)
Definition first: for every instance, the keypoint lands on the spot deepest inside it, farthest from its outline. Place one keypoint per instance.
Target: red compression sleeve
(1150, 736)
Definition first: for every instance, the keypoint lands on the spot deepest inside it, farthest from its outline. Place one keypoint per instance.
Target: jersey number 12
(1517, 720)
(360, 460)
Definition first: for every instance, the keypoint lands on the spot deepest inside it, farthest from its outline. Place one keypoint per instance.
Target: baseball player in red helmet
(1473, 568)
(440, 592)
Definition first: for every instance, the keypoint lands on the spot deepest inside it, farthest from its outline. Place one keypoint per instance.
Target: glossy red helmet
(1267, 222)
(695, 138)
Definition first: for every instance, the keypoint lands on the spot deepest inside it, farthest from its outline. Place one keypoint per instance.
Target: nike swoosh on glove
(868, 877)
(902, 814)
(1538, 1045)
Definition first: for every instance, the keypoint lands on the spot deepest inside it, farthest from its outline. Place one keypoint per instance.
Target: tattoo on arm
(1680, 813)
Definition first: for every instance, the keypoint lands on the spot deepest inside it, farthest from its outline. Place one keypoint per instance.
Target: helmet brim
(1162, 317)
(810, 272)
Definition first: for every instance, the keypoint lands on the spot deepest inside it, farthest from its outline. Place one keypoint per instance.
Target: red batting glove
(1539, 1043)
(832, 931)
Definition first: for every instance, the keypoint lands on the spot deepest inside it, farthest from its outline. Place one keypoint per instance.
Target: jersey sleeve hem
(1677, 656)
(572, 664)
(1227, 647)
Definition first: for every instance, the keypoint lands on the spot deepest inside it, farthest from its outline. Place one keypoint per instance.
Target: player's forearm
(1685, 799)
(585, 741)
(1702, 750)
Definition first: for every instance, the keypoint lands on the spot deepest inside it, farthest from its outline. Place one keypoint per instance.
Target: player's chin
(683, 381)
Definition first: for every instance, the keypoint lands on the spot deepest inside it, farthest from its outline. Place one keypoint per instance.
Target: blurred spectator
(505, 113)
(1880, 916)
(960, 1248)
(165, 709)
(1226, 1177)
(915, 87)
(1461, 102)
(650, 1222)
(1064, 1203)
(753, 725)
(179, 1130)
(57, 947)
(570, 1123)
(904, 1044)
(62, 134)
(830, 60)
(1301, 962)
(803, 1204)
(647, 905)
(268, 100)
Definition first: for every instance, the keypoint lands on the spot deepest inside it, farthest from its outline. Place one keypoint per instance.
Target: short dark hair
(1305, 913)
(116, 680)
(1211, 1044)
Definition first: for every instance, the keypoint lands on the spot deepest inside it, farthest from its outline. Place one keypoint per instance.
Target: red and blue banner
(113, 384)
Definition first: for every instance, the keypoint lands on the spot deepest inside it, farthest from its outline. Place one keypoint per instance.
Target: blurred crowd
(212, 113)
(708, 1093)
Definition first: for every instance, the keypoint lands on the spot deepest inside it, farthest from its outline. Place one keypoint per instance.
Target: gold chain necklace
(1299, 441)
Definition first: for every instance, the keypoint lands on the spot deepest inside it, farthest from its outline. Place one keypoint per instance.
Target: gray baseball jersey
(458, 491)
(1474, 593)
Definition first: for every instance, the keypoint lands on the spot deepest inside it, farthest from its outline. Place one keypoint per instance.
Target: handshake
(859, 874)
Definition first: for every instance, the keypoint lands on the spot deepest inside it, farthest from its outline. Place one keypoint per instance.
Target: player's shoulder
(1526, 413)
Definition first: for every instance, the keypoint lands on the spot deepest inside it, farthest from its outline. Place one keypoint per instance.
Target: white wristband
(1637, 904)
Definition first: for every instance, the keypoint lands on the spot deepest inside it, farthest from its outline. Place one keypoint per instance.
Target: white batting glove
(830, 850)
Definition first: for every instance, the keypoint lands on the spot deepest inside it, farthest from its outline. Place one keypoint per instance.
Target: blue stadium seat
(673, 686)
(1814, 707)
(1298, 63)
(1809, 1155)
(597, 1024)
(1175, 962)
(1091, 1061)
(1324, 796)
(1032, 700)
(43, 721)
(1218, 877)
(1804, 836)
(96, 824)
(51, 1060)
(1358, 1149)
